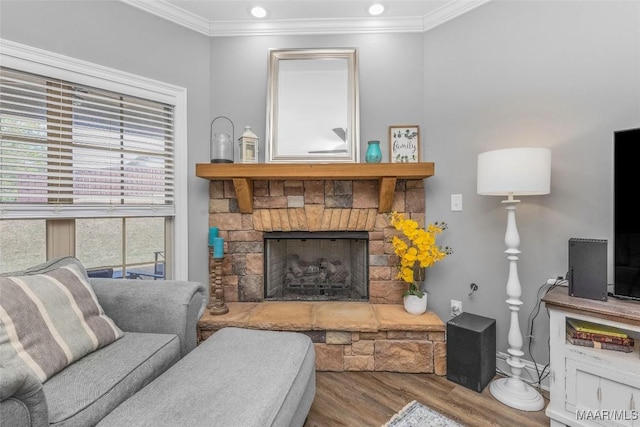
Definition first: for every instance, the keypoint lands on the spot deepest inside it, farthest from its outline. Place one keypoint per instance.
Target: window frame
(38, 61)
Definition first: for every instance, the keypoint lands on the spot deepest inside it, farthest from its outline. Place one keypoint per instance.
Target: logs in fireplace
(316, 266)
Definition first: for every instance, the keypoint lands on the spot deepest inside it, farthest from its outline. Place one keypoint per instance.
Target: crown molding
(168, 11)
(449, 11)
(172, 13)
(316, 26)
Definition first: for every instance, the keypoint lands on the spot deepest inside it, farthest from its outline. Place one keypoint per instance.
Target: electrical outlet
(456, 308)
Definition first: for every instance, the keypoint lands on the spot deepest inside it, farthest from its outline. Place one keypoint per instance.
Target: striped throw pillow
(51, 319)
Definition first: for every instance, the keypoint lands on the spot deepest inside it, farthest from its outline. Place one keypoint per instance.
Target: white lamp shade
(519, 171)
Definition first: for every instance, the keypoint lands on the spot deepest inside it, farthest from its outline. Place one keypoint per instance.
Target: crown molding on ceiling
(316, 26)
(170, 12)
(173, 13)
(449, 11)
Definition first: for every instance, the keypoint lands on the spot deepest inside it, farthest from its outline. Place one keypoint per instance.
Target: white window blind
(69, 150)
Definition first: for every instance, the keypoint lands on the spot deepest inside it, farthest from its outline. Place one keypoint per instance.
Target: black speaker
(588, 268)
(471, 351)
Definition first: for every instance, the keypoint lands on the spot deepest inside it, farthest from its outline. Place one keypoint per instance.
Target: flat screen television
(626, 214)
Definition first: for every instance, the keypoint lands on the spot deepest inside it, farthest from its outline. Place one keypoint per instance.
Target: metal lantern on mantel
(248, 146)
(221, 144)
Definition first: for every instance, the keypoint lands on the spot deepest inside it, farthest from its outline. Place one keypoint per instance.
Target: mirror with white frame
(312, 106)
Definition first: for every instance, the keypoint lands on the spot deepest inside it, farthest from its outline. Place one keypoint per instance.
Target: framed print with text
(404, 143)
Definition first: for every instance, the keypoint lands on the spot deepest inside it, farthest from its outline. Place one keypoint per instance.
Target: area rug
(415, 414)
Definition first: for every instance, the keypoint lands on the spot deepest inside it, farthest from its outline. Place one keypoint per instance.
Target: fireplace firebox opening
(317, 266)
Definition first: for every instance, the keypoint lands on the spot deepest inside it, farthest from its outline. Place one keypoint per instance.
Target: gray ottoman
(237, 377)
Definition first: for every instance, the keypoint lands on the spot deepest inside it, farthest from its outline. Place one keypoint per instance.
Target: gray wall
(116, 35)
(390, 70)
(562, 75)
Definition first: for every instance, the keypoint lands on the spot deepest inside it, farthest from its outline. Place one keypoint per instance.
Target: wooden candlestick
(216, 304)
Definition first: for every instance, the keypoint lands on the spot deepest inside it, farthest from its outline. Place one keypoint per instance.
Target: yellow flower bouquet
(417, 250)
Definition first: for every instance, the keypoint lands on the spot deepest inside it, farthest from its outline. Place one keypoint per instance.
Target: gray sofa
(159, 320)
(150, 376)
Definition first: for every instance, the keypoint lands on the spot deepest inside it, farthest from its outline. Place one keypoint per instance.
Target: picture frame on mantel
(404, 143)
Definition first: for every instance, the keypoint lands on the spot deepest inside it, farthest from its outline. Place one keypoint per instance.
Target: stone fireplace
(311, 206)
(252, 203)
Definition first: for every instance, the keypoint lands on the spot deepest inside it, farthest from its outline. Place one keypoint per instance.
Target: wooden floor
(362, 399)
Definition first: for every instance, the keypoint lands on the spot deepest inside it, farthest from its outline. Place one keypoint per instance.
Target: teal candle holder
(216, 304)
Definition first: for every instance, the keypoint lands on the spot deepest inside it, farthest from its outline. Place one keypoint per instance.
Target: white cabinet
(593, 387)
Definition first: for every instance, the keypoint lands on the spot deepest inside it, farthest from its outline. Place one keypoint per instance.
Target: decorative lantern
(248, 143)
(221, 144)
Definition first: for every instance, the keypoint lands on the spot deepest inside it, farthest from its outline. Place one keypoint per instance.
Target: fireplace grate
(316, 266)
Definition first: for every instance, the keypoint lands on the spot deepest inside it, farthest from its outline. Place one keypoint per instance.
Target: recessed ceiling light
(258, 12)
(376, 9)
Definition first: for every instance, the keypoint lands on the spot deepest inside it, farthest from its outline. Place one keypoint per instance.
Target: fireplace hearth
(316, 266)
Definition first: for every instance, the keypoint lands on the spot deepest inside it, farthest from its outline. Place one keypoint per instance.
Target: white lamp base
(516, 393)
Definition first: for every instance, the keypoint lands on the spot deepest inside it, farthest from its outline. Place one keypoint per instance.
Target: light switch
(456, 202)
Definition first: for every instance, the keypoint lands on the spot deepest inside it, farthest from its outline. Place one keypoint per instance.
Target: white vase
(415, 305)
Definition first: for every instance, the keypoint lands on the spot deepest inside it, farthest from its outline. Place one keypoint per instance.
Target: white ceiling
(232, 18)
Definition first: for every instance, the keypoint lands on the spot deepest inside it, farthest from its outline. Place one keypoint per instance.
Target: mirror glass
(312, 106)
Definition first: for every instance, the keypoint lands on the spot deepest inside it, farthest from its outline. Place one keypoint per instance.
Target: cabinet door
(621, 399)
(599, 395)
(588, 394)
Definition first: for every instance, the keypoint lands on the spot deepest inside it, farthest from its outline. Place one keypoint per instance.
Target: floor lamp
(512, 172)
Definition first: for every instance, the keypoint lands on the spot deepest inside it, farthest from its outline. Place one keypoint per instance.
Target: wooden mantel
(243, 176)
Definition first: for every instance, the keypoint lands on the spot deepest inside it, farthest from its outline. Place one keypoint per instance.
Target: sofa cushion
(50, 317)
(86, 391)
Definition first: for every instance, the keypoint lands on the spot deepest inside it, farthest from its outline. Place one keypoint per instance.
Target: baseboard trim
(529, 374)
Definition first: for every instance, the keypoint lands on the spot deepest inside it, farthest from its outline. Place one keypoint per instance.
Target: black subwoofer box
(588, 268)
(471, 351)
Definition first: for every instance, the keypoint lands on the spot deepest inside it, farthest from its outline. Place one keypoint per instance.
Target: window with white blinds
(70, 150)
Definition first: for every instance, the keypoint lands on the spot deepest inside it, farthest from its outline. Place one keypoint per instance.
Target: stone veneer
(313, 205)
(347, 336)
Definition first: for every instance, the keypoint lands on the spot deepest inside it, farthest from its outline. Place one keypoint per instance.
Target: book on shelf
(592, 336)
(600, 345)
(595, 328)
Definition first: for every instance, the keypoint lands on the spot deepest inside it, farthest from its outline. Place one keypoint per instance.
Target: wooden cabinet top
(618, 310)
